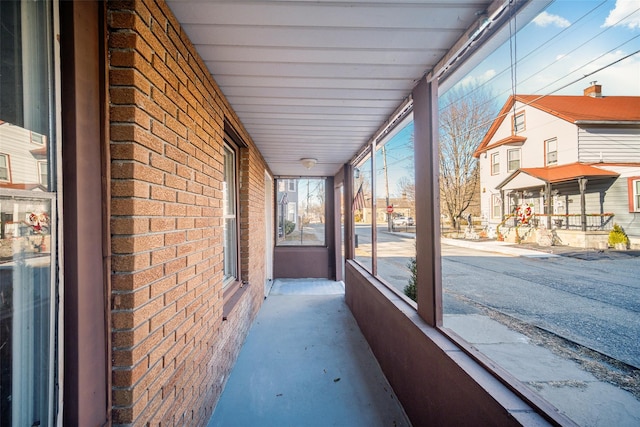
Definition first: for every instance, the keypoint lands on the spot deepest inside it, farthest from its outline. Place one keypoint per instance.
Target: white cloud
(471, 80)
(545, 19)
(621, 78)
(625, 13)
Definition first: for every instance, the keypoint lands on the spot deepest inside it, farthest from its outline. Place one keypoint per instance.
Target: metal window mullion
(374, 221)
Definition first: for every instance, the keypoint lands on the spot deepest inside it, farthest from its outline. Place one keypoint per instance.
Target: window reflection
(536, 166)
(301, 211)
(27, 214)
(395, 212)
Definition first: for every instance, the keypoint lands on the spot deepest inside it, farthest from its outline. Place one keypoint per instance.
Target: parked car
(403, 220)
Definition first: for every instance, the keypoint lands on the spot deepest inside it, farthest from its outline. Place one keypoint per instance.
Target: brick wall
(171, 349)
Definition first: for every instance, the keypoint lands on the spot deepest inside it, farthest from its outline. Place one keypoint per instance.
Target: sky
(570, 39)
(563, 45)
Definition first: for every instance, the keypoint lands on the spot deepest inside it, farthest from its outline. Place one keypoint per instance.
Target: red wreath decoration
(524, 214)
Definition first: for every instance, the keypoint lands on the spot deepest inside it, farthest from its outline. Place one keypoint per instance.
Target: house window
(287, 185)
(43, 171)
(301, 213)
(518, 122)
(513, 158)
(496, 205)
(551, 151)
(229, 208)
(634, 194)
(4, 167)
(28, 293)
(37, 139)
(495, 163)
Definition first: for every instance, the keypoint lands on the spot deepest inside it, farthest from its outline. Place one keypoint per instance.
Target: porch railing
(599, 222)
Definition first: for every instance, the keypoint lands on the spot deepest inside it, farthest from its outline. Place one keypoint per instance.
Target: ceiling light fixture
(308, 162)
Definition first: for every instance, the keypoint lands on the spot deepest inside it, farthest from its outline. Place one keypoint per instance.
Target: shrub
(289, 226)
(410, 289)
(618, 235)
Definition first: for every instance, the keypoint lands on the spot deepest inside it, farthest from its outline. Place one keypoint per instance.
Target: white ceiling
(319, 78)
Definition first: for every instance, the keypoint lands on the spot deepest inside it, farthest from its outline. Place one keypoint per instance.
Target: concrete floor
(306, 363)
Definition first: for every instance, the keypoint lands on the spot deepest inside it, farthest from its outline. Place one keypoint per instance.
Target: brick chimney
(594, 91)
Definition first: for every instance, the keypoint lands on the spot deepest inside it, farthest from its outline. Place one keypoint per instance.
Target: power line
(529, 56)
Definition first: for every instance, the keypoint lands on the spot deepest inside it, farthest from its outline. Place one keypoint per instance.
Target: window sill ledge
(232, 294)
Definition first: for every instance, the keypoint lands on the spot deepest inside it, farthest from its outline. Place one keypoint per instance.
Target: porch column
(425, 117)
(582, 182)
(549, 205)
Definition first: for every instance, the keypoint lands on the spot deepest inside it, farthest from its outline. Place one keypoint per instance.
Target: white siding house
(541, 148)
(23, 158)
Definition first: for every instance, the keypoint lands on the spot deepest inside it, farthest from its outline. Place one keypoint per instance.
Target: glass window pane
(495, 163)
(4, 168)
(528, 290)
(362, 212)
(27, 266)
(395, 197)
(514, 160)
(230, 252)
(301, 212)
(25, 310)
(230, 249)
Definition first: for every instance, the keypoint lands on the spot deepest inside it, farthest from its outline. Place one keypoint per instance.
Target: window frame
(43, 178)
(38, 353)
(7, 167)
(633, 186)
(495, 165)
(229, 279)
(515, 129)
(291, 210)
(509, 160)
(496, 202)
(548, 162)
(37, 139)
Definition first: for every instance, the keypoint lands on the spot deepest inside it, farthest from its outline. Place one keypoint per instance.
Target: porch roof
(321, 79)
(536, 177)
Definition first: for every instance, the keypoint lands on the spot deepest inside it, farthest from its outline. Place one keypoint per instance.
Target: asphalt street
(593, 301)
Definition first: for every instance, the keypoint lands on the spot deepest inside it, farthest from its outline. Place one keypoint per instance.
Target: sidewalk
(498, 247)
(575, 384)
(532, 250)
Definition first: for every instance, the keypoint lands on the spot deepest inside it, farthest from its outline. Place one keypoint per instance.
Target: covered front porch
(305, 362)
(560, 205)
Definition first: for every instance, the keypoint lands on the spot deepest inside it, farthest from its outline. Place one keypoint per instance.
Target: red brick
(135, 243)
(129, 225)
(164, 194)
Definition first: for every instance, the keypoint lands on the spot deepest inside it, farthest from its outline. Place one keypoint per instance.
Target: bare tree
(407, 188)
(465, 116)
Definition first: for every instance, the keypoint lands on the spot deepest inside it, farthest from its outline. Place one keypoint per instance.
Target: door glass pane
(26, 214)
